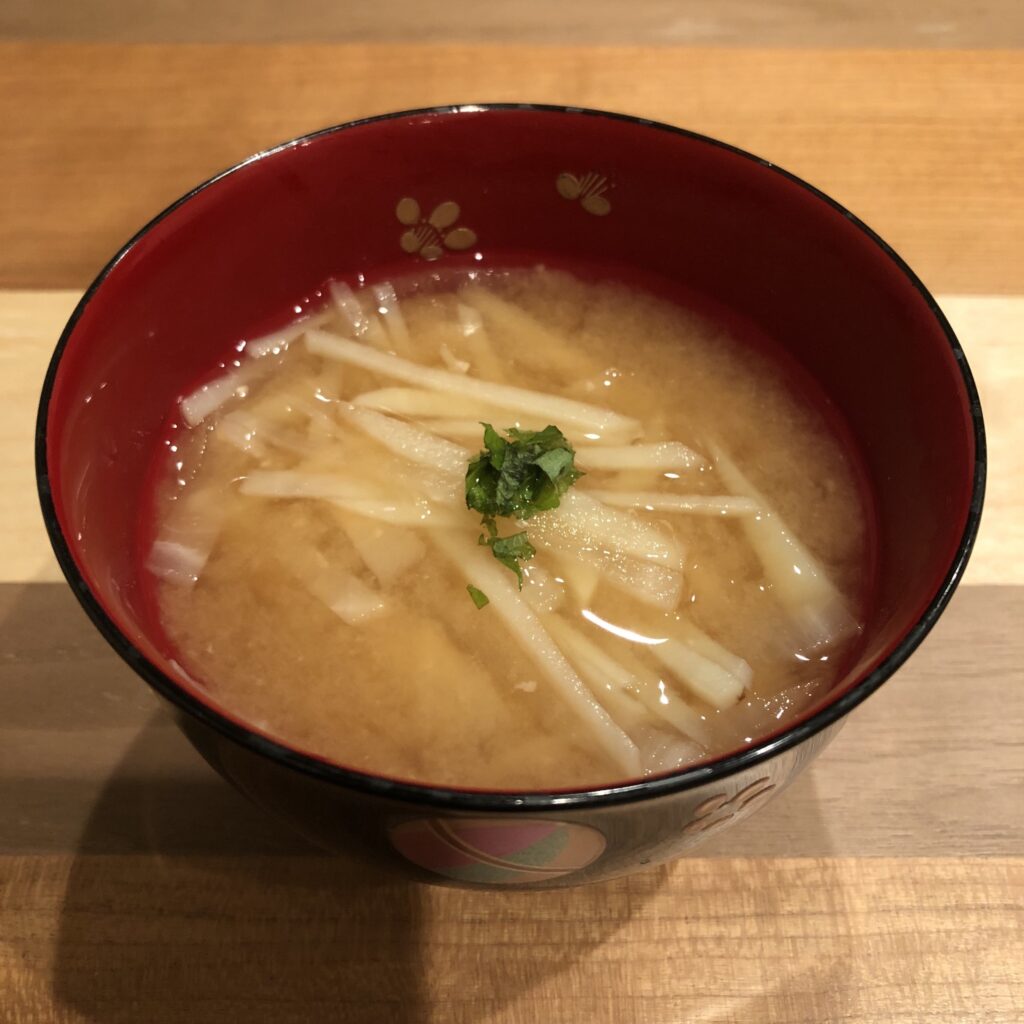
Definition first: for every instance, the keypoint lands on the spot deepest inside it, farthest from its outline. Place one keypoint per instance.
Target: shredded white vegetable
(387, 551)
(394, 321)
(704, 678)
(363, 498)
(662, 751)
(362, 324)
(346, 595)
(495, 581)
(353, 601)
(615, 675)
(186, 539)
(414, 512)
(558, 410)
(350, 308)
(661, 501)
(488, 365)
(799, 580)
(241, 430)
(663, 698)
(276, 342)
(406, 440)
(470, 320)
(255, 435)
(664, 456)
(708, 647)
(624, 708)
(418, 402)
(581, 578)
(175, 562)
(550, 350)
(648, 582)
(472, 431)
(541, 590)
(463, 430)
(209, 397)
(289, 483)
(584, 522)
(451, 361)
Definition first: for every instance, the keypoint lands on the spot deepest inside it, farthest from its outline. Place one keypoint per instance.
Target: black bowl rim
(491, 800)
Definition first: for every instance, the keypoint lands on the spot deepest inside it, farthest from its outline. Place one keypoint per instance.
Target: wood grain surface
(909, 23)
(885, 886)
(295, 940)
(927, 147)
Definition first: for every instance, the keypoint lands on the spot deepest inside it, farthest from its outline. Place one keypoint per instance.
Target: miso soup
(509, 530)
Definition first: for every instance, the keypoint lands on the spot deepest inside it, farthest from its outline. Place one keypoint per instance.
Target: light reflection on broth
(695, 589)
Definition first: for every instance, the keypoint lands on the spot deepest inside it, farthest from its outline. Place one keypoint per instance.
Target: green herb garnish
(479, 597)
(510, 551)
(518, 476)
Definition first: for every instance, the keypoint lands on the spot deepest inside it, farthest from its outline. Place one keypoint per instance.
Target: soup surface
(317, 567)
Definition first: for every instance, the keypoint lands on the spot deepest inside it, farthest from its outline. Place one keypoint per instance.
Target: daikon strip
(276, 342)
(440, 488)
(352, 600)
(623, 707)
(704, 678)
(607, 681)
(387, 551)
(287, 483)
(253, 434)
(664, 700)
(640, 683)
(240, 430)
(209, 397)
(406, 440)
(362, 324)
(541, 591)
(346, 595)
(350, 308)
(451, 361)
(472, 431)
(664, 456)
(487, 575)
(562, 411)
(816, 605)
(362, 498)
(415, 512)
(581, 578)
(549, 349)
(394, 321)
(463, 430)
(417, 402)
(586, 522)
(175, 562)
(663, 751)
(648, 582)
(705, 645)
(181, 550)
(695, 504)
(488, 366)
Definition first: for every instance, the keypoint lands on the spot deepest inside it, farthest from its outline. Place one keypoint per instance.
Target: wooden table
(884, 886)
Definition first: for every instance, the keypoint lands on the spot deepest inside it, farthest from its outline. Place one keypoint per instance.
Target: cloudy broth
(317, 567)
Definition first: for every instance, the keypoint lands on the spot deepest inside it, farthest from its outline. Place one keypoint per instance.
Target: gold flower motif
(429, 236)
(717, 810)
(589, 190)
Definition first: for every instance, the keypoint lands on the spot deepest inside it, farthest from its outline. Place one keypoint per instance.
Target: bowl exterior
(514, 849)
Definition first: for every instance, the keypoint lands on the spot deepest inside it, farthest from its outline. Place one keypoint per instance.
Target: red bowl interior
(238, 253)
